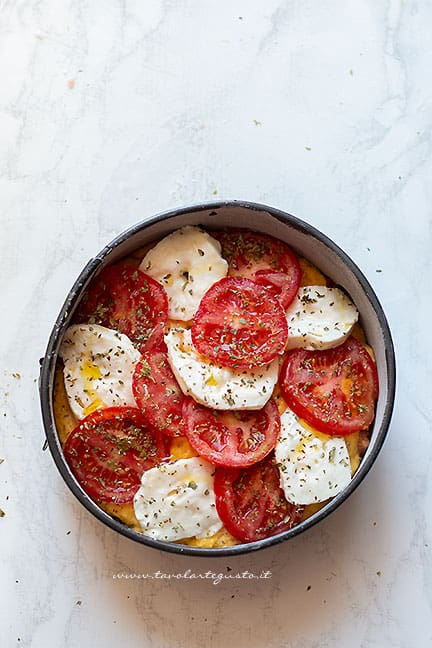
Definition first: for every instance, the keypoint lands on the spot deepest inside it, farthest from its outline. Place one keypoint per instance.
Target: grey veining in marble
(111, 111)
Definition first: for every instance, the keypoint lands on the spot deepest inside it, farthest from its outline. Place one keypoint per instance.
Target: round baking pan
(307, 242)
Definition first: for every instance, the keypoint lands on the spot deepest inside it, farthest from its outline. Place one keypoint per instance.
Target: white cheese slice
(320, 318)
(312, 468)
(98, 368)
(186, 263)
(176, 500)
(220, 388)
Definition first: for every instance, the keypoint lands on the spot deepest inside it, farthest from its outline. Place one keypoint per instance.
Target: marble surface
(113, 110)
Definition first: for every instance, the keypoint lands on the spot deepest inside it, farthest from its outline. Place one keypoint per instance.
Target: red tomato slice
(239, 324)
(155, 340)
(110, 449)
(128, 300)
(228, 438)
(158, 394)
(263, 259)
(332, 390)
(251, 503)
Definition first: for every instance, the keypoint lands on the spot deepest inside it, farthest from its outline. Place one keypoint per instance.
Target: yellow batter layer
(180, 447)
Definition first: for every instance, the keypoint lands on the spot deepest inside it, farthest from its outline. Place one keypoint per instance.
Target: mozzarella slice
(217, 387)
(98, 368)
(176, 500)
(312, 468)
(320, 318)
(186, 263)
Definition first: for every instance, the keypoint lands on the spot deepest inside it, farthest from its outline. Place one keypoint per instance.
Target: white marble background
(112, 110)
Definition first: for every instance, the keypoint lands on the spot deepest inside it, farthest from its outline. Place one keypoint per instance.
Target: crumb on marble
(71, 84)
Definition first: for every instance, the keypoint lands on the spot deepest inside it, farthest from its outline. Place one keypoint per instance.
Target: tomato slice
(332, 390)
(239, 324)
(158, 394)
(263, 259)
(110, 449)
(127, 300)
(227, 438)
(251, 503)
